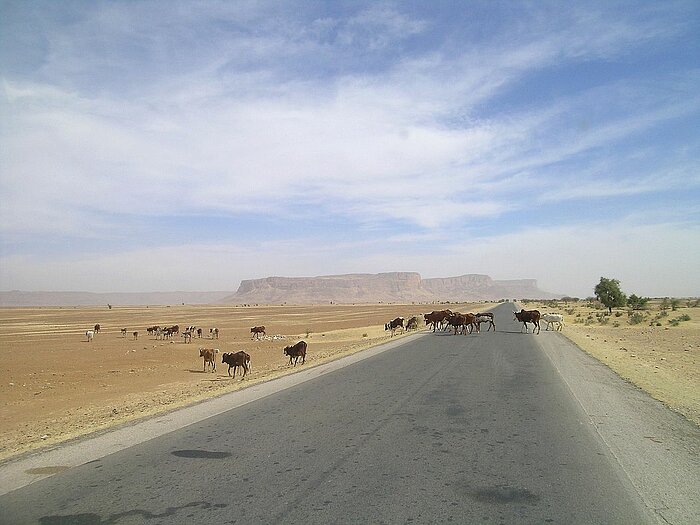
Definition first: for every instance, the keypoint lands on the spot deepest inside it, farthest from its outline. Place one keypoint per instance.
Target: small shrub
(364, 335)
(678, 320)
(618, 314)
(616, 324)
(636, 318)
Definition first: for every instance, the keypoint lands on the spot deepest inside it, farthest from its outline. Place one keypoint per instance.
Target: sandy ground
(54, 385)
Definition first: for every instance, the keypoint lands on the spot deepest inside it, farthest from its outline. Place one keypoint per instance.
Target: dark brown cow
(97, 328)
(436, 318)
(394, 325)
(209, 355)
(528, 316)
(412, 324)
(256, 331)
(296, 351)
(235, 360)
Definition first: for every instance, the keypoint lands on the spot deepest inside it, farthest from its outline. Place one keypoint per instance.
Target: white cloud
(227, 110)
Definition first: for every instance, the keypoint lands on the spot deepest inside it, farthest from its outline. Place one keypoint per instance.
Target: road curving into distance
(488, 428)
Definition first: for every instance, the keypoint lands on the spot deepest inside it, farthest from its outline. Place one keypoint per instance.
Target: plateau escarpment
(384, 287)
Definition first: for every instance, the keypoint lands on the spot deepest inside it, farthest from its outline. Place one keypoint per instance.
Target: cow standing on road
(528, 316)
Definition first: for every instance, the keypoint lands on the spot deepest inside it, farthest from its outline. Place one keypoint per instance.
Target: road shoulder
(658, 449)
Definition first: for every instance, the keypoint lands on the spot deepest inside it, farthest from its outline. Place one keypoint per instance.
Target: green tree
(608, 292)
(637, 303)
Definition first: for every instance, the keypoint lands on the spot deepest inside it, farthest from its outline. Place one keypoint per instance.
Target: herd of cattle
(470, 323)
(442, 320)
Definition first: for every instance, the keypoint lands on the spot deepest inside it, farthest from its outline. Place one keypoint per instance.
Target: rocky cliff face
(384, 287)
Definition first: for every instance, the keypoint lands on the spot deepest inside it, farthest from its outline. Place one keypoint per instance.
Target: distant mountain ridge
(391, 287)
(383, 287)
(19, 298)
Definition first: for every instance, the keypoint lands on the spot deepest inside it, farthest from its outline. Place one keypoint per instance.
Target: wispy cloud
(376, 116)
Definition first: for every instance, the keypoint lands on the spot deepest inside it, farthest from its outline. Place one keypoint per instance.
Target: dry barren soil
(54, 385)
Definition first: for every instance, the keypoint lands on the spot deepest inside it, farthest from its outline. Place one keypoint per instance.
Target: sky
(182, 145)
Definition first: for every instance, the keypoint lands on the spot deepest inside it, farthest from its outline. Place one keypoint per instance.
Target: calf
(256, 331)
(124, 333)
(296, 351)
(209, 355)
(214, 333)
(136, 335)
(97, 328)
(412, 324)
(235, 360)
(187, 335)
(553, 319)
(89, 334)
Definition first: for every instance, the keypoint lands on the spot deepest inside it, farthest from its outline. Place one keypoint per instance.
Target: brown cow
(462, 322)
(209, 355)
(528, 316)
(256, 331)
(296, 351)
(436, 318)
(235, 360)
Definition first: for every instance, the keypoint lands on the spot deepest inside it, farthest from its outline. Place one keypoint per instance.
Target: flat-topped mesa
(382, 287)
(350, 288)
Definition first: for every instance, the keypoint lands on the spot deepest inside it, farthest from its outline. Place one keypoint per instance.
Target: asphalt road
(462, 429)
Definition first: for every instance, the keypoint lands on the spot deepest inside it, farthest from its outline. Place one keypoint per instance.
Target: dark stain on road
(200, 454)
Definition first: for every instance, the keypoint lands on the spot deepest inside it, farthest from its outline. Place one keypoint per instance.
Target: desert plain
(56, 386)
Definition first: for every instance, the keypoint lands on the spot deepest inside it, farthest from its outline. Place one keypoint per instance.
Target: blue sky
(189, 145)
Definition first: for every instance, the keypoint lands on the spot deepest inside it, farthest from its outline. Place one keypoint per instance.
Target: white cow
(90, 334)
(553, 319)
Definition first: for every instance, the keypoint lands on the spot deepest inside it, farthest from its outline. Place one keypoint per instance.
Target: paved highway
(441, 429)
